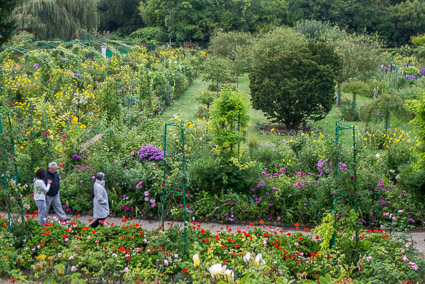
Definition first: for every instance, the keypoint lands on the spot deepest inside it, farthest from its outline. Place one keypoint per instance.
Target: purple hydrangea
(150, 152)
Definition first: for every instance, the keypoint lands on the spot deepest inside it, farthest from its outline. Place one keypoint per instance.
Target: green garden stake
(166, 190)
(31, 119)
(5, 180)
(341, 126)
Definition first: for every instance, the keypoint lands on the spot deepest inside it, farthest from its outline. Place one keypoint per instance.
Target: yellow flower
(75, 119)
(272, 130)
(41, 256)
(82, 126)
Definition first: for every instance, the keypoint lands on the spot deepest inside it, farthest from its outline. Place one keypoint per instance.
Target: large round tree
(293, 78)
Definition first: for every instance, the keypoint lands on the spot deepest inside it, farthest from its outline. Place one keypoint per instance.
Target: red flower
(185, 271)
(141, 233)
(127, 251)
(202, 231)
(91, 219)
(105, 246)
(297, 225)
(265, 234)
(224, 261)
(316, 275)
(128, 257)
(122, 238)
(300, 238)
(305, 229)
(122, 249)
(352, 177)
(63, 236)
(317, 237)
(236, 245)
(93, 232)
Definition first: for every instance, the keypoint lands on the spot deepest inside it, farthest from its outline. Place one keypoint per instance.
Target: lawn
(186, 108)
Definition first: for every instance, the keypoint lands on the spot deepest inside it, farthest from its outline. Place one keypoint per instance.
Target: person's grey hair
(53, 164)
(100, 176)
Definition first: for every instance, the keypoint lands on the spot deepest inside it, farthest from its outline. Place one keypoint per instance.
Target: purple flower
(35, 66)
(410, 77)
(77, 75)
(422, 72)
(150, 152)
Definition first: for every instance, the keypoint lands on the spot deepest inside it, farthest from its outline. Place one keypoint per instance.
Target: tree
(120, 15)
(189, 19)
(57, 19)
(408, 19)
(217, 70)
(356, 87)
(6, 25)
(229, 119)
(233, 46)
(385, 106)
(359, 52)
(292, 78)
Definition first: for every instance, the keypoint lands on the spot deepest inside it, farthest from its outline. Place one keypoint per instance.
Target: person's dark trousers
(97, 222)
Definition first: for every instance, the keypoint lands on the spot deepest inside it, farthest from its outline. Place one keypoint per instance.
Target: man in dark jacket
(52, 196)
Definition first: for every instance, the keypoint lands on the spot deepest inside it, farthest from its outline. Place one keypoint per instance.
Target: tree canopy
(6, 24)
(57, 19)
(293, 78)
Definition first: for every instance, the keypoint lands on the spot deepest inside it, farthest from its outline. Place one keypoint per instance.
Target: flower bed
(263, 254)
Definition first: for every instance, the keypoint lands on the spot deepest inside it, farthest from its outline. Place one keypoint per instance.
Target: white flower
(126, 270)
(259, 259)
(196, 260)
(247, 257)
(229, 273)
(368, 258)
(378, 156)
(217, 269)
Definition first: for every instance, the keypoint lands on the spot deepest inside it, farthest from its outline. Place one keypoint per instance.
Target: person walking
(53, 197)
(100, 200)
(40, 190)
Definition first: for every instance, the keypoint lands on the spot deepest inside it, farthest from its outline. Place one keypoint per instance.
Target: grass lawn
(186, 108)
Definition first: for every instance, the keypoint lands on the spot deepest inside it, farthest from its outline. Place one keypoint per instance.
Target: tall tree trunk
(338, 94)
(387, 121)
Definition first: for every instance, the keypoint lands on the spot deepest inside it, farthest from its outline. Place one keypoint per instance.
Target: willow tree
(57, 19)
(6, 25)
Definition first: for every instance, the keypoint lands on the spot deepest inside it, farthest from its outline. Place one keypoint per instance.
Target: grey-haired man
(53, 197)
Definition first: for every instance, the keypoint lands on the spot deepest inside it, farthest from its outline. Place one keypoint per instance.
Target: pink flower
(132, 153)
(83, 169)
(383, 214)
(64, 137)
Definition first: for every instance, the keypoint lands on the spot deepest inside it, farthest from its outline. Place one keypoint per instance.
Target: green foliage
(408, 19)
(57, 19)
(233, 46)
(217, 70)
(356, 87)
(229, 120)
(292, 78)
(385, 106)
(119, 15)
(149, 34)
(7, 25)
(418, 40)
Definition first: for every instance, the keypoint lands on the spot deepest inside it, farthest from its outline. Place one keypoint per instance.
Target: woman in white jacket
(40, 190)
(100, 200)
